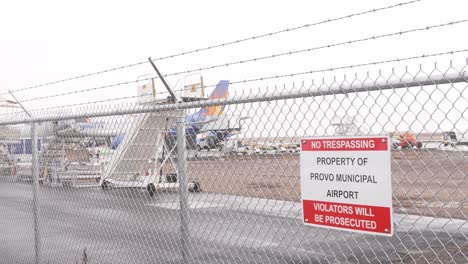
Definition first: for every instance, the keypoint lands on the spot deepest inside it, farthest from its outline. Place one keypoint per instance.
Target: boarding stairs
(137, 160)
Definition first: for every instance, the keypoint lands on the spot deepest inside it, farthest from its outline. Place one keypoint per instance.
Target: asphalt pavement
(128, 226)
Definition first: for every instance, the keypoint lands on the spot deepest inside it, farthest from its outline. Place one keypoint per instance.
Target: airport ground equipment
(405, 140)
(145, 158)
(450, 138)
(8, 137)
(65, 161)
(143, 155)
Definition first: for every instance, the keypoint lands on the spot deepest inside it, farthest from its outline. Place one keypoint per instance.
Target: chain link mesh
(109, 185)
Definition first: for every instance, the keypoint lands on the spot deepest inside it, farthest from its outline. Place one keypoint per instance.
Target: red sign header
(345, 144)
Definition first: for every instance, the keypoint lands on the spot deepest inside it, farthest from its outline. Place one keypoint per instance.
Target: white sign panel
(346, 183)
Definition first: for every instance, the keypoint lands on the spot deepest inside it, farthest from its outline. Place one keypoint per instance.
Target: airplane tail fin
(220, 92)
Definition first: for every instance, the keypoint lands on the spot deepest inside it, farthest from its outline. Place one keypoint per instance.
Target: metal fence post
(183, 189)
(35, 178)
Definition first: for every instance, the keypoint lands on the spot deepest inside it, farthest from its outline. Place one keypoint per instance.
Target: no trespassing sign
(346, 183)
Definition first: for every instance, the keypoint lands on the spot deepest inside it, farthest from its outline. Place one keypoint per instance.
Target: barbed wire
(423, 56)
(288, 30)
(219, 45)
(75, 78)
(256, 59)
(375, 37)
(86, 90)
(344, 67)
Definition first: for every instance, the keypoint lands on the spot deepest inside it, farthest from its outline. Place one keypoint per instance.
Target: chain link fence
(218, 181)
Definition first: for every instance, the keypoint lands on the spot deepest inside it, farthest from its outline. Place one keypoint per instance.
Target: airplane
(98, 128)
(208, 122)
(196, 121)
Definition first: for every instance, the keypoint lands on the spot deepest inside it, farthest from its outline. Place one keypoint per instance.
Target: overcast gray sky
(49, 40)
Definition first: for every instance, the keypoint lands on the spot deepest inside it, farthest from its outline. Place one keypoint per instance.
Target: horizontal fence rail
(407, 82)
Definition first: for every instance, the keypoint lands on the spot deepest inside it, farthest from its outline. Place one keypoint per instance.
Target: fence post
(35, 178)
(183, 189)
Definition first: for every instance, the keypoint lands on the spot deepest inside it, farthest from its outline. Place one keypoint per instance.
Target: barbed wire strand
(375, 10)
(423, 56)
(256, 59)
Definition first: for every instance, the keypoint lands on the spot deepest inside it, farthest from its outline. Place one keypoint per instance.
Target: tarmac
(128, 226)
(429, 182)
